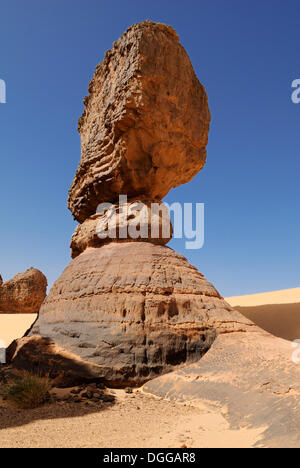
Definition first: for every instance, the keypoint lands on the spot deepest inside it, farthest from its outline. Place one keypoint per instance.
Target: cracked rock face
(146, 120)
(24, 293)
(131, 311)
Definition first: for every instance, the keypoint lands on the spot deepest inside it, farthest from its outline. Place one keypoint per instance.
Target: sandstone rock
(24, 293)
(145, 124)
(130, 312)
(139, 220)
(39, 354)
(127, 312)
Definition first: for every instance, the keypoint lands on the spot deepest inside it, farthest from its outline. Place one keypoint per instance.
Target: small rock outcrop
(24, 293)
(145, 125)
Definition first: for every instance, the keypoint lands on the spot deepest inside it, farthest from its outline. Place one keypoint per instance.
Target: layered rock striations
(134, 311)
(145, 124)
(128, 308)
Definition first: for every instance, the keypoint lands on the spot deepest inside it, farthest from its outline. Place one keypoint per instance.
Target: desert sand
(250, 378)
(135, 421)
(284, 296)
(277, 312)
(173, 411)
(14, 326)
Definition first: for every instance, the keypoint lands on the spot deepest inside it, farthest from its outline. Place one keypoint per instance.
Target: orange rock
(145, 125)
(24, 293)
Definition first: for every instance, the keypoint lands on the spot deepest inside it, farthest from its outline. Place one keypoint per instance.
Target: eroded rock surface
(145, 124)
(24, 293)
(127, 312)
(133, 221)
(132, 311)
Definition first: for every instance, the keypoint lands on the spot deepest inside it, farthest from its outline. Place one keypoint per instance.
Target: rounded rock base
(128, 313)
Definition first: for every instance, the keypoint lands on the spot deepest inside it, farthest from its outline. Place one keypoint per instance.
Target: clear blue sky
(246, 53)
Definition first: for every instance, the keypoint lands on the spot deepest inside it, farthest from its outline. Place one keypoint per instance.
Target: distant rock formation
(24, 293)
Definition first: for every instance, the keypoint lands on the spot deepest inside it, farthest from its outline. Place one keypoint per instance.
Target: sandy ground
(276, 312)
(14, 326)
(135, 420)
(139, 419)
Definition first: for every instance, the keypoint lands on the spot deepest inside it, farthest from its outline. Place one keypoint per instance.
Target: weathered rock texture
(24, 293)
(126, 312)
(145, 124)
(130, 312)
(122, 311)
(144, 220)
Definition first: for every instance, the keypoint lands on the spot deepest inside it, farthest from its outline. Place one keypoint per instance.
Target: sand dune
(14, 326)
(277, 312)
(284, 296)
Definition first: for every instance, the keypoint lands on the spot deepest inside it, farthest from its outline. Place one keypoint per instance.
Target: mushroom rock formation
(129, 309)
(145, 124)
(23, 294)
